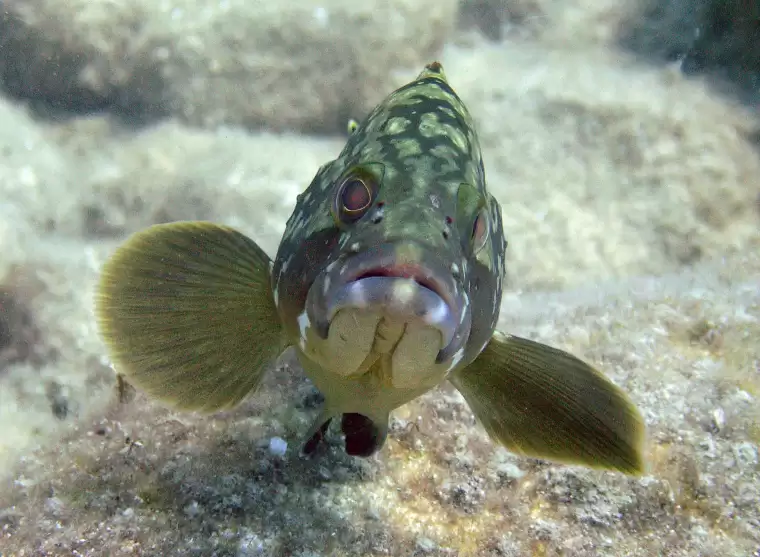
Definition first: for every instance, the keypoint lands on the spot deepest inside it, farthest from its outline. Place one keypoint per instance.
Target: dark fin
(317, 433)
(125, 391)
(363, 436)
(545, 403)
(187, 313)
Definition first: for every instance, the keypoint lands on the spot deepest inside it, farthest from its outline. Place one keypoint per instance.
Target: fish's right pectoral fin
(187, 314)
(545, 403)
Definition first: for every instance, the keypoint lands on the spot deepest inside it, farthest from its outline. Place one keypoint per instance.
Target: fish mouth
(401, 283)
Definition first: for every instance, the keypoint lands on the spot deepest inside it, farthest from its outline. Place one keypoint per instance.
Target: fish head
(396, 248)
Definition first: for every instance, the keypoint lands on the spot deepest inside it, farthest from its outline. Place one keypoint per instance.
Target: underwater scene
(403, 278)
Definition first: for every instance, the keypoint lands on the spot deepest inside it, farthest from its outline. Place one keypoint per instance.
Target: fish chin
(408, 350)
(412, 326)
(400, 300)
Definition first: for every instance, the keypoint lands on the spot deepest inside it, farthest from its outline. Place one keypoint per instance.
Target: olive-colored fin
(187, 313)
(545, 403)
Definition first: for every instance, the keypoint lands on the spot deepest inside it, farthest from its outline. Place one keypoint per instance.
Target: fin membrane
(187, 313)
(317, 432)
(363, 436)
(545, 403)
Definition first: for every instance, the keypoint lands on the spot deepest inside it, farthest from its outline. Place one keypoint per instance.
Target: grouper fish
(387, 282)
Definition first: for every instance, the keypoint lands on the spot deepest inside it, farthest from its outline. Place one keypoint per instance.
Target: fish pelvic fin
(364, 436)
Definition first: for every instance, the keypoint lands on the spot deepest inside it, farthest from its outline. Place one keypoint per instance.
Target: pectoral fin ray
(545, 403)
(187, 313)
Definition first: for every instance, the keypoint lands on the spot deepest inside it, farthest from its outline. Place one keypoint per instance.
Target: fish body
(387, 282)
(416, 168)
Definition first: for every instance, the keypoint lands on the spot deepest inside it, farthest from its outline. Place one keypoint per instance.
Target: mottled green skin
(385, 292)
(421, 147)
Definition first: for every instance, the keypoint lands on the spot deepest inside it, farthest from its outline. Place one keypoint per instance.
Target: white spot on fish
(404, 292)
(355, 247)
(501, 336)
(455, 359)
(303, 325)
(439, 313)
(484, 344)
(361, 294)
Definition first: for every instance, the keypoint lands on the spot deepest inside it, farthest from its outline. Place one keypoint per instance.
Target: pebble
(278, 446)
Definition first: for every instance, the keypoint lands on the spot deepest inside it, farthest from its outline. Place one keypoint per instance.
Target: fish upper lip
(418, 273)
(431, 274)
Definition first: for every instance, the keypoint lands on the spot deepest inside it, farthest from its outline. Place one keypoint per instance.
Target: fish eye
(480, 230)
(353, 198)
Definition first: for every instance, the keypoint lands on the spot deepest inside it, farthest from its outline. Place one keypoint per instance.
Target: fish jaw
(398, 301)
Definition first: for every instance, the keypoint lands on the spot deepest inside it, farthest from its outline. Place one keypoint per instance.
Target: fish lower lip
(402, 297)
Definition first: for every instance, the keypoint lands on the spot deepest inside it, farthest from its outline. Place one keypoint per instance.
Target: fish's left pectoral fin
(545, 403)
(187, 314)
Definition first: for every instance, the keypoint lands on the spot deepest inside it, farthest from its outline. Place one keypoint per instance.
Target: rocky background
(623, 142)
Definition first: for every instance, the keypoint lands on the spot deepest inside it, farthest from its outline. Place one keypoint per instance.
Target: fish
(387, 283)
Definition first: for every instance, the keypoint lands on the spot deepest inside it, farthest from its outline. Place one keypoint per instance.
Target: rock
(570, 23)
(715, 38)
(19, 334)
(498, 19)
(169, 172)
(277, 446)
(250, 545)
(29, 164)
(307, 65)
(718, 38)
